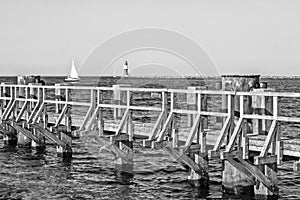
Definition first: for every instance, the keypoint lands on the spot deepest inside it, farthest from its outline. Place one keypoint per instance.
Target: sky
(237, 36)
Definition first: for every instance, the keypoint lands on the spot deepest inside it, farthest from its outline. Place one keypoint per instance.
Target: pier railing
(182, 123)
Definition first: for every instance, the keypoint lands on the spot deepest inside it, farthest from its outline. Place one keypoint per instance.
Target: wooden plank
(193, 132)
(184, 159)
(50, 135)
(61, 115)
(279, 118)
(8, 109)
(259, 160)
(106, 144)
(22, 111)
(148, 108)
(36, 107)
(217, 114)
(86, 118)
(39, 112)
(183, 111)
(269, 139)
(242, 169)
(165, 127)
(234, 135)
(25, 132)
(92, 119)
(260, 176)
(223, 134)
(232, 154)
(123, 122)
(157, 125)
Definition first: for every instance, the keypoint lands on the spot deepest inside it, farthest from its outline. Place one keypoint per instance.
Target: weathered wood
(61, 115)
(269, 139)
(50, 136)
(38, 113)
(184, 159)
(259, 160)
(234, 135)
(8, 110)
(22, 111)
(223, 135)
(92, 119)
(193, 131)
(260, 176)
(123, 122)
(25, 132)
(242, 169)
(4, 131)
(157, 125)
(165, 127)
(33, 113)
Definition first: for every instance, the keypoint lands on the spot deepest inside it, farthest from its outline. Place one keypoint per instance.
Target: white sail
(74, 73)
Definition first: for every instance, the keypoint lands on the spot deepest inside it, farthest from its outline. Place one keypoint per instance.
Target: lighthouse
(125, 68)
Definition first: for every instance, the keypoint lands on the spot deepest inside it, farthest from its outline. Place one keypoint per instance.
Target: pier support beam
(41, 138)
(122, 165)
(200, 157)
(118, 98)
(262, 105)
(10, 139)
(66, 150)
(234, 181)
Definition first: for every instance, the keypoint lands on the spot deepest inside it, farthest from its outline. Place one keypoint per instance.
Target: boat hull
(72, 79)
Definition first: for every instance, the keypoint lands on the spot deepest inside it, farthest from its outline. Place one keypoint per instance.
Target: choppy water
(30, 174)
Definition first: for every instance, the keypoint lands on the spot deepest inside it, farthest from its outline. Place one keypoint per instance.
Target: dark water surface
(31, 174)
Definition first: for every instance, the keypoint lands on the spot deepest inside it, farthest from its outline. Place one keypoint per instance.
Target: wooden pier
(193, 126)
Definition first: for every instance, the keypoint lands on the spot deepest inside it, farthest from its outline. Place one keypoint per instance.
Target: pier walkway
(243, 129)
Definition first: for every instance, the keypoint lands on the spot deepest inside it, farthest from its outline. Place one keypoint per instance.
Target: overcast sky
(240, 36)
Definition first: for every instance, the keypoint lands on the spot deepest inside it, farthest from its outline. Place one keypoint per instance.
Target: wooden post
(100, 114)
(41, 138)
(262, 105)
(175, 135)
(23, 141)
(233, 180)
(10, 139)
(118, 96)
(270, 169)
(130, 124)
(122, 165)
(64, 152)
(126, 166)
(68, 118)
(191, 99)
(200, 157)
(164, 99)
(1, 101)
(57, 98)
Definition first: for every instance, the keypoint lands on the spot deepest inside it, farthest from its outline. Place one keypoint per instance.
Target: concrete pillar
(233, 180)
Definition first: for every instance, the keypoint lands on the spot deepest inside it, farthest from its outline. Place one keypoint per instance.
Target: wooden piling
(240, 170)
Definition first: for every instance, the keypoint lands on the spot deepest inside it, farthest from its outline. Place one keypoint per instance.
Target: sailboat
(73, 77)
